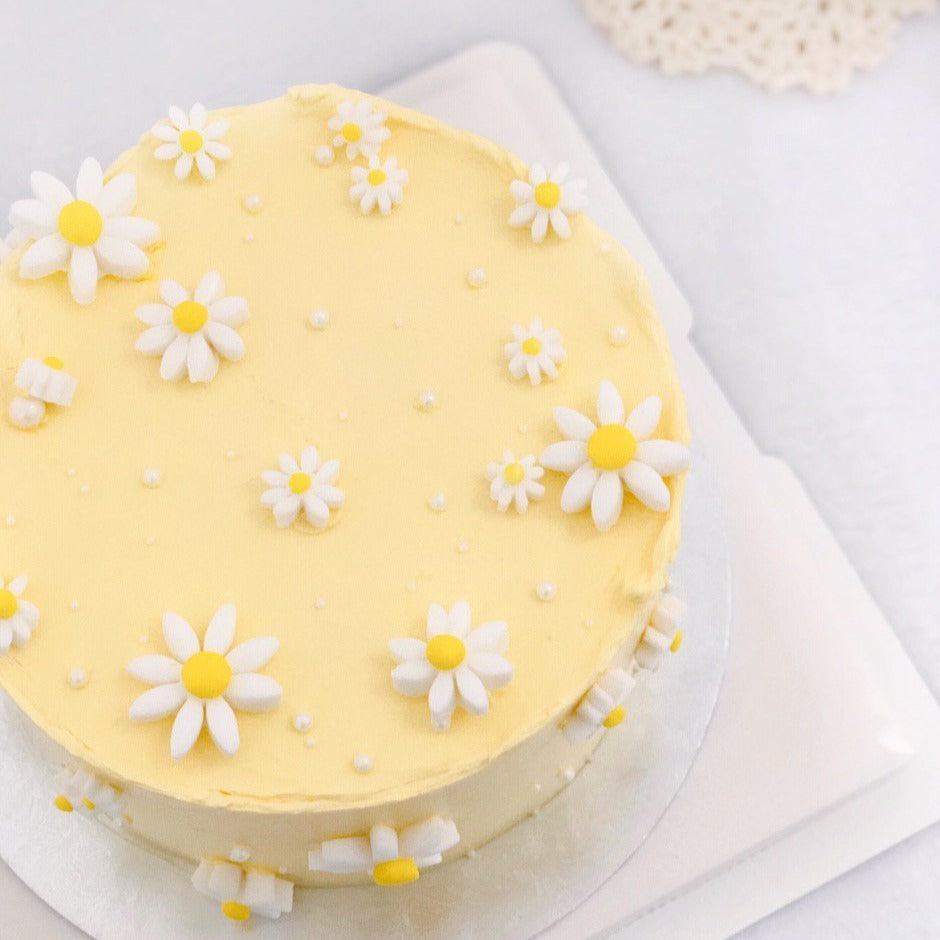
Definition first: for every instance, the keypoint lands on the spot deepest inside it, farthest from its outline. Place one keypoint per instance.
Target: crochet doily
(813, 44)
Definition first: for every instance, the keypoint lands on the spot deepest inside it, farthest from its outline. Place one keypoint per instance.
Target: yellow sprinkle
(61, 803)
(399, 871)
(676, 642)
(89, 805)
(233, 910)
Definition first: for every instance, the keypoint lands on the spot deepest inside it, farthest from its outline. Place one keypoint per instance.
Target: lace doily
(813, 44)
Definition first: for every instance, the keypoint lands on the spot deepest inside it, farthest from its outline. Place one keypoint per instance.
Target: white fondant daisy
(547, 199)
(82, 791)
(457, 665)
(191, 142)
(359, 128)
(603, 459)
(391, 857)
(190, 332)
(663, 634)
(89, 235)
(242, 892)
(44, 383)
(307, 485)
(18, 617)
(601, 707)
(515, 482)
(535, 351)
(203, 685)
(379, 184)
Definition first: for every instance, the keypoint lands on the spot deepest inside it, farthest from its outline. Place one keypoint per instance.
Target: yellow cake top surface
(107, 555)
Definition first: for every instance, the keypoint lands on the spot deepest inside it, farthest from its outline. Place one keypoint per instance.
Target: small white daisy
(663, 633)
(602, 460)
(601, 707)
(18, 617)
(307, 485)
(359, 128)
(547, 198)
(379, 184)
(188, 331)
(456, 666)
(535, 351)
(45, 383)
(203, 684)
(82, 791)
(242, 892)
(391, 857)
(191, 142)
(89, 235)
(515, 481)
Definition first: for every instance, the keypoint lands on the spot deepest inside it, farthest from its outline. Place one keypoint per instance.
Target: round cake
(340, 481)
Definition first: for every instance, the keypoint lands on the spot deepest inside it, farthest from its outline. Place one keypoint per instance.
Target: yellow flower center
(299, 482)
(676, 642)
(547, 194)
(80, 223)
(62, 804)
(446, 652)
(191, 141)
(399, 871)
(54, 362)
(615, 717)
(532, 346)
(611, 447)
(89, 804)
(206, 674)
(352, 132)
(514, 473)
(234, 910)
(189, 316)
(376, 177)
(8, 604)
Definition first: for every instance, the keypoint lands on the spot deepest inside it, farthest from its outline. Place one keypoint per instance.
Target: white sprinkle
(589, 622)
(143, 638)
(476, 277)
(463, 547)
(343, 416)
(249, 237)
(150, 540)
(74, 605)
(324, 154)
(71, 472)
(311, 741)
(78, 678)
(398, 323)
(538, 788)
(605, 248)
(152, 478)
(302, 722)
(568, 774)
(523, 428)
(11, 520)
(437, 502)
(412, 585)
(319, 318)
(472, 853)
(253, 203)
(618, 335)
(239, 854)
(230, 455)
(546, 591)
(459, 219)
(320, 603)
(426, 400)
(84, 488)
(362, 763)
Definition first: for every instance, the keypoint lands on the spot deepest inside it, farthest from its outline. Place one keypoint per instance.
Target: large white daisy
(89, 235)
(547, 199)
(391, 857)
(191, 142)
(359, 128)
(18, 617)
(515, 482)
(535, 351)
(379, 184)
(203, 684)
(188, 331)
(456, 666)
(306, 485)
(603, 459)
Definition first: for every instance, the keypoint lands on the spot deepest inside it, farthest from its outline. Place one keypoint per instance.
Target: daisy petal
(253, 654)
(560, 223)
(155, 669)
(665, 457)
(523, 215)
(578, 490)
(154, 314)
(442, 700)
(607, 500)
(407, 648)
(564, 456)
(18, 585)
(225, 341)
(644, 418)
(438, 621)
(168, 151)
(215, 130)
(574, 425)
(173, 364)
(49, 189)
(328, 472)
(232, 311)
(413, 677)
(139, 232)
(459, 618)
(316, 511)
(223, 726)
(221, 630)
(218, 150)
(270, 498)
(186, 728)
(490, 637)
(252, 692)
(34, 218)
(473, 694)
(331, 495)
(539, 226)
(180, 637)
(179, 118)
(610, 408)
(119, 196)
(154, 342)
(494, 671)
(158, 702)
(209, 289)
(45, 257)
(89, 182)
(120, 257)
(205, 166)
(286, 511)
(646, 485)
(173, 293)
(184, 166)
(83, 275)
(202, 364)
(197, 117)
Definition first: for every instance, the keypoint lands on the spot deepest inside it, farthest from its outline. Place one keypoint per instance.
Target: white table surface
(805, 233)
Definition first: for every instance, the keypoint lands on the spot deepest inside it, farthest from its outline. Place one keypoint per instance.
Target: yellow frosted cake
(340, 479)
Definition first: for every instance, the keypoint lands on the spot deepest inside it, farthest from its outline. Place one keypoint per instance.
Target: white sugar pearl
(463, 548)
(476, 277)
(71, 472)
(605, 248)
(362, 763)
(78, 678)
(324, 154)
(398, 323)
(412, 586)
(26, 413)
(589, 622)
(310, 742)
(426, 400)
(150, 540)
(84, 488)
(249, 237)
(11, 520)
(523, 428)
(74, 605)
(320, 603)
(459, 219)
(568, 774)
(253, 203)
(302, 722)
(618, 335)
(239, 854)
(230, 455)
(343, 416)
(319, 318)
(437, 502)
(152, 478)
(546, 591)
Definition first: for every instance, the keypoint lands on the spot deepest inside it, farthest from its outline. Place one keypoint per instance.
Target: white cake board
(825, 747)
